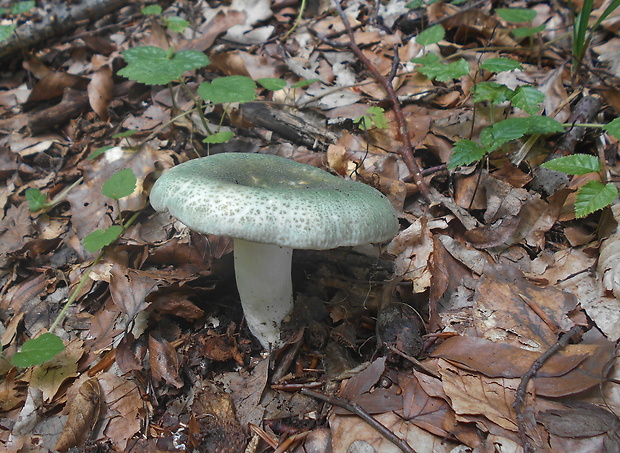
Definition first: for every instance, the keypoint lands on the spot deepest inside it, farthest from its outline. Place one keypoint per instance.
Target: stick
(357, 410)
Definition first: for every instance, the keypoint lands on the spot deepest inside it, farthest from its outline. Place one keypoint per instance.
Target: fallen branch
(361, 413)
(406, 150)
(525, 379)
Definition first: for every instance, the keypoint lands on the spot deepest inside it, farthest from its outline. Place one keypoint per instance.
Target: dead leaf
(83, 416)
(164, 361)
(101, 91)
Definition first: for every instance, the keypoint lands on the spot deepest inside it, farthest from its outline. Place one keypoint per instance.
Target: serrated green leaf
(38, 350)
(527, 98)
(594, 195)
(22, 7)
(151, 10)
(465, 152)
(445, 72)
(99, 151)
(426, 59)
(431, 35)
(228, 89)
(516, 14)
(220, 137)
(500, 64)
(6, 31)
(378, 117)
(176, 24)
(36, 199)
(543, 125)
(272, 83)
(613, 128)
(494, 92)
(575, 164)
(524, 32)
(121, 184)
(153, 66)
(504, 131)
(98, 239)
(304, 83)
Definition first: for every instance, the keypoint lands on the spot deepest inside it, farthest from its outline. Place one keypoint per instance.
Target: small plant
(174, 23)
(374, 117)
(582, 32)
(47, 345)
(519, 16)
(15, 9)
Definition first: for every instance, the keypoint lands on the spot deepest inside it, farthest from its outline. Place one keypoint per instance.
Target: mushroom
(270, 205)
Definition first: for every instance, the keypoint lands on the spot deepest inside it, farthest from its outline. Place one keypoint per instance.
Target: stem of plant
(197, 104)
(84, 278)
(61, 196)
(406, 151)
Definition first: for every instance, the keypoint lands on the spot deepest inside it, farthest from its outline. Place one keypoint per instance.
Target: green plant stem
(62, 195)
(197, 103)
(302, 8)
(84, 278)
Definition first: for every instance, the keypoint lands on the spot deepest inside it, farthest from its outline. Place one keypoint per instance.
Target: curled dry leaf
(83, 416)
(101, 92)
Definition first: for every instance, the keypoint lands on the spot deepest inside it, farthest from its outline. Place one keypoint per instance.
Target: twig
(405, 151)
(525, 379)
(357, 410)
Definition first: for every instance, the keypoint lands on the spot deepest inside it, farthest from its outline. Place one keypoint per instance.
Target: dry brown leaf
(52, 374)
(124, 410)
(83, 416)
(101, 92)
(164, 361)
(129, 288)
(53, 85)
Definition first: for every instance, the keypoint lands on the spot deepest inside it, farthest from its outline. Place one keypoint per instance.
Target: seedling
(582, 32)
(46, 346)
(374, 117)
(37, 200)
(520, 15)
(174, 23)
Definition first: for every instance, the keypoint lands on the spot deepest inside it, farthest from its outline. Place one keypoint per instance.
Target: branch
(357, 410)
(406, 151)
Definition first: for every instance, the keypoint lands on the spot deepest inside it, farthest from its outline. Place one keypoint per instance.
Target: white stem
(263, 273)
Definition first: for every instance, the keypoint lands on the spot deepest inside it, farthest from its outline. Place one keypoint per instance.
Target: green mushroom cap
(273, 200)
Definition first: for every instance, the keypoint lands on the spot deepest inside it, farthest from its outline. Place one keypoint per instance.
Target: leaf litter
(155, 355)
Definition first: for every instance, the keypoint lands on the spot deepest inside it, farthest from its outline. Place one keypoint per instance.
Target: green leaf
(364, 122)
(431, 35)
(516, 14)
(127, 133)
(415, 4)
(465, 152)
(494, 92)
(613, 128)
(99, 151)
(426, 59)
(272, 83)
(378, 117)
(22, 7)
(228, 89)
(304, 83)
(445, 72)
(504, 131)
(524, 32)
(594, 195)
(575, 164)
(36, 199)
(220, 137)
(153, 66)
(151, 10)
(527, 98)
(176, 24)
(6, 31)
(500, 64)
(121, 184)
(98, 239)
(543, 125)
(38, 350)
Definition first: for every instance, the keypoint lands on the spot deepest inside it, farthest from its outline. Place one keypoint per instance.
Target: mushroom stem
(263, 273)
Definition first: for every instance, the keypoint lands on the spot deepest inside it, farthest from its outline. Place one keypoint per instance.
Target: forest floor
(489, 323)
